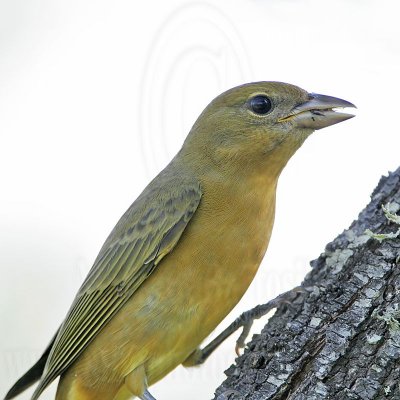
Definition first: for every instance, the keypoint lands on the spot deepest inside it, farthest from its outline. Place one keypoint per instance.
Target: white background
(97, 96)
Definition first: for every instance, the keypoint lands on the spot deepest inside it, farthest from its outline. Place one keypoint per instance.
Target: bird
(184, 253)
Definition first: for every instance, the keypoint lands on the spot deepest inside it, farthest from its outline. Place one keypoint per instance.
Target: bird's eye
(260, 104)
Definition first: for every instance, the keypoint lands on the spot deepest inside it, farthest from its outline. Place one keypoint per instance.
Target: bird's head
(261, 124)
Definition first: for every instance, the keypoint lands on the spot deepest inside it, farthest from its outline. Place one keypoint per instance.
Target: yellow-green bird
(185, 251)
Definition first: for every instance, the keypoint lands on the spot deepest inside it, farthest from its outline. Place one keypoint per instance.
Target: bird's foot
(245, 321)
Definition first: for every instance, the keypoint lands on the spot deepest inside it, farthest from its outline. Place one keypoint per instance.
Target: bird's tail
(31, 376)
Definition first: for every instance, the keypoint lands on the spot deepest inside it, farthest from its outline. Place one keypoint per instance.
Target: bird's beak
(317, 112)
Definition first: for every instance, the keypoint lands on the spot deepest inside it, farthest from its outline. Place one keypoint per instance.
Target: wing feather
(148, 231)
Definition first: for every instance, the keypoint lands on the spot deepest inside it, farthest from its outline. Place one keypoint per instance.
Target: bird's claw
(241, 341)
(247, 318)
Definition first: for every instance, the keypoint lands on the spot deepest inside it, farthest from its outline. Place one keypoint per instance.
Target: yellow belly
(182, 302)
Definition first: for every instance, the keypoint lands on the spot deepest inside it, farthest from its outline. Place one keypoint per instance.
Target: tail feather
(31, 376)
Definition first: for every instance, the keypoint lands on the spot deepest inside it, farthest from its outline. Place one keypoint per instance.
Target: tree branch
(342, 340)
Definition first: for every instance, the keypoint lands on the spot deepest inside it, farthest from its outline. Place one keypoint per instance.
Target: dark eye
(261, 104)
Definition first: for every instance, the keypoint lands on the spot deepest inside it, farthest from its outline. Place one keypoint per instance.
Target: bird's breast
(219, 254)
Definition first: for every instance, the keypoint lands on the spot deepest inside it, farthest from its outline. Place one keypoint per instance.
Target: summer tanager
(185, 251)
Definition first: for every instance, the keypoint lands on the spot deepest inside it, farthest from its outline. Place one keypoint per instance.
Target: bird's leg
(136, 381)
(146, 396)
(244, 321)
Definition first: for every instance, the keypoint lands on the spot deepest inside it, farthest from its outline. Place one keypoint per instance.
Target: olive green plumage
(186, 250)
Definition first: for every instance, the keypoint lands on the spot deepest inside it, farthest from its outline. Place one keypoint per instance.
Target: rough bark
(342, 340)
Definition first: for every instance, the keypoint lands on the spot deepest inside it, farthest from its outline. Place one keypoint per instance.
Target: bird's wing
(147, 232)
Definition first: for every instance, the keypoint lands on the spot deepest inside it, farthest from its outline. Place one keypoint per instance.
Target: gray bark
(342, 339)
